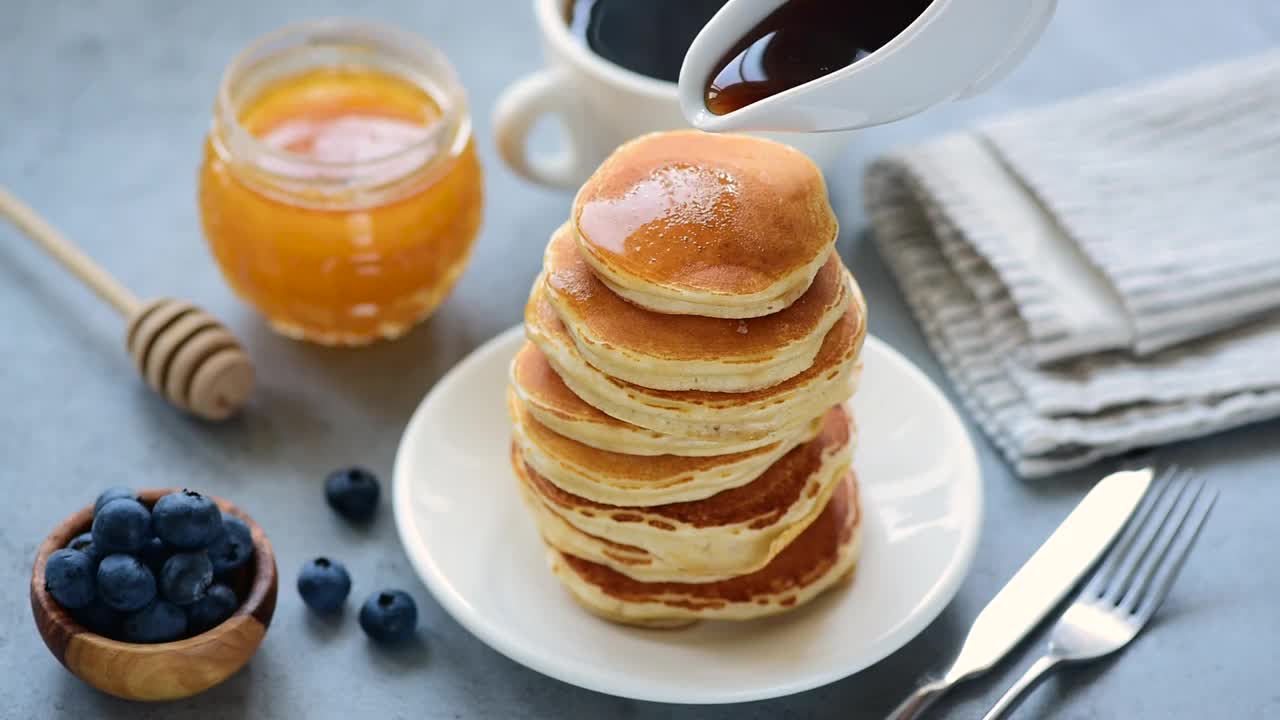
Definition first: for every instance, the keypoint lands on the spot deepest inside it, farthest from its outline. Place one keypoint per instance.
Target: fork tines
(1137, 573)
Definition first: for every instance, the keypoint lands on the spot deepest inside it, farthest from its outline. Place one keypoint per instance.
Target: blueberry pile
(388, 616)
(150, 575)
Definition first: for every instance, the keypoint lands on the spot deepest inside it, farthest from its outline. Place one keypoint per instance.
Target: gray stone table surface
(102, 109)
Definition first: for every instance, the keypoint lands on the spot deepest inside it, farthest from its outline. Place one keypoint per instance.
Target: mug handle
(521, 105)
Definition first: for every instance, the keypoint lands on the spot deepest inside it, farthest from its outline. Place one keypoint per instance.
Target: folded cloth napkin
(1102, 274)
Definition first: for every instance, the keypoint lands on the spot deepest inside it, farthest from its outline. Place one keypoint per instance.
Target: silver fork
(1128, 587)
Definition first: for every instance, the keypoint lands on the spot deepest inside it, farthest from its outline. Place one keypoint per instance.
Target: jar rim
(444, 87)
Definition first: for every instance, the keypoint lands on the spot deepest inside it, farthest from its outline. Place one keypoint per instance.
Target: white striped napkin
(1101, 274)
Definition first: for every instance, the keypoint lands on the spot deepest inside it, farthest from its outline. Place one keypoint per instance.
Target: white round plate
(469, 538)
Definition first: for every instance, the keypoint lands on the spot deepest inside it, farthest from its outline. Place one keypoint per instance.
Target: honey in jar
(340, 191)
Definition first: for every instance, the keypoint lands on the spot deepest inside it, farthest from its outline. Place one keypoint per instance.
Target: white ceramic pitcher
(956, 48)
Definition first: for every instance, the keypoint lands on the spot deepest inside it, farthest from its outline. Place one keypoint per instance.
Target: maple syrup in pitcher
(802, 41)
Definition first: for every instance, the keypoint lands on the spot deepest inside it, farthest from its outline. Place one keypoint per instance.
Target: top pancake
(688, 222)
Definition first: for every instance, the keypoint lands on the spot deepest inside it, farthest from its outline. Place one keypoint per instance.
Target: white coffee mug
(601, 105)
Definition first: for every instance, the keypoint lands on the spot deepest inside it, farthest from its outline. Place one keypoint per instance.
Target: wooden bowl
(159, 671)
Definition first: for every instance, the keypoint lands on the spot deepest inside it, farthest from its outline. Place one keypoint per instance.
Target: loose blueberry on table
(324, 584)
(352, 493)
(389, 617)
(147, 575)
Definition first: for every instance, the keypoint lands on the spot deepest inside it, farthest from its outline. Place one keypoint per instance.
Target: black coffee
(802, 41)
(650, 37)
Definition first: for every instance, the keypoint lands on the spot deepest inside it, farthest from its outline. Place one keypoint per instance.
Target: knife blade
(1042, 582)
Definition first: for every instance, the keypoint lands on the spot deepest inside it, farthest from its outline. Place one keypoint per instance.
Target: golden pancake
(724, 226)
(630, 560)
(689, 352)
(637, 480)
(553, 404)
(818, 559)
(733, 532)
(772, 413)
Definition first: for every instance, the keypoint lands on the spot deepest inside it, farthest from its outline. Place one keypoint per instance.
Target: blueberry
(99, 618)
(209, 611)
(323, 585)
(160, 621)
(352, 493)
(124, 583)
(389, 616)
(68, 576)
(185, 577)
(84, 543)
(113, 493)
(154, 553)
(122, 525)
(233, 548)
(187, 520)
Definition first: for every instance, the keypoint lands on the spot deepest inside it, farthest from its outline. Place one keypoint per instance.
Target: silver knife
(1040, 585)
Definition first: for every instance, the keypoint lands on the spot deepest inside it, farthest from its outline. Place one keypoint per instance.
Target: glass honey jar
(340, 190)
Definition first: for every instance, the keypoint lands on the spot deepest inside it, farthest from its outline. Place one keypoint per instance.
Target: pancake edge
(651, 614)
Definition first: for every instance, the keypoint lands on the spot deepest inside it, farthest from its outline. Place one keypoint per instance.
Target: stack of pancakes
(680, 428)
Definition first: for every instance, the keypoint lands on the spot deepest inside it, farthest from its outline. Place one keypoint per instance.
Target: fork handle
(920, 700)
(1014, 696)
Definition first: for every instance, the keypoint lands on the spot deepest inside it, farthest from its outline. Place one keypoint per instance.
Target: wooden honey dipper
(182, 352)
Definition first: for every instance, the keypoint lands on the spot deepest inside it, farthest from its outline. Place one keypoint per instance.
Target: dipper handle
(182, 352)
(65, 252)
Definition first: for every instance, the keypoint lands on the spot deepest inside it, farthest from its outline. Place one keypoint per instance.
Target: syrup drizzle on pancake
(723, 213)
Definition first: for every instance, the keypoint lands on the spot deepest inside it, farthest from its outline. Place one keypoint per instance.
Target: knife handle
(920, 700)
